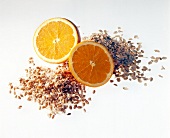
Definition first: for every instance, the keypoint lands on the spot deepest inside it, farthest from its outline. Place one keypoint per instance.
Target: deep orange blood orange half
(91, 63)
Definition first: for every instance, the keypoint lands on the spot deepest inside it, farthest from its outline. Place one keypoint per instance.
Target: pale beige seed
(162, 68)
(156, 60)
(101, 31)
(49, 115)
(136, 36)
(156, 50)
(39, 107)
(115, 32)
(125, 88)
(164, 58)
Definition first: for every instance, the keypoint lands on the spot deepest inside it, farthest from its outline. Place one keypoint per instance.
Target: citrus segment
(91, 63)
(54, 39)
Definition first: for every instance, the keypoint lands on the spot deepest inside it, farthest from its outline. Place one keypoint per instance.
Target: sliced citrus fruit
(54, 39)
(91, 63)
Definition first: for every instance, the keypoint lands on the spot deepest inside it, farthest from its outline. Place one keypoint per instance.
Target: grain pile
(56, 90)
(127, 56)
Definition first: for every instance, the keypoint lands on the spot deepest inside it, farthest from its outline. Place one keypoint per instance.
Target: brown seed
(79, 107)
(19, 107)
(49, 115)
(55, 89)
(87, 102)
(156, 50)
(94, 91)
(150, 62)
(75, 106)
(29, 98)
(111, 81)
(139, 61)
(84, 110)
(160, 76)
(115, 84)
(151, 79)
(70, 107)
(83, 104)
(89, 98)
(52, 116)
(118, 79)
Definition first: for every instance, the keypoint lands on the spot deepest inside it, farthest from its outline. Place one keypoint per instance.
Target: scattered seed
(151, 79)
(136, 36)
(87, 102)
(79, 107)
(115, 84)
(56, 90)
(156, 50)
(164, 58)
(162, 68)
(19, 107)
(126, 54)
(68, 113)
(111, 81)
(160, 76)
(125, 88)
(89, 98)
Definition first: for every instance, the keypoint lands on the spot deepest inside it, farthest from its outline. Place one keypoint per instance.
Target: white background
(140, 112)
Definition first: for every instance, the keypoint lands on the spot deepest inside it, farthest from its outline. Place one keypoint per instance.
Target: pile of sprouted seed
(127, 56)
(54, 89)
(57, 89)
